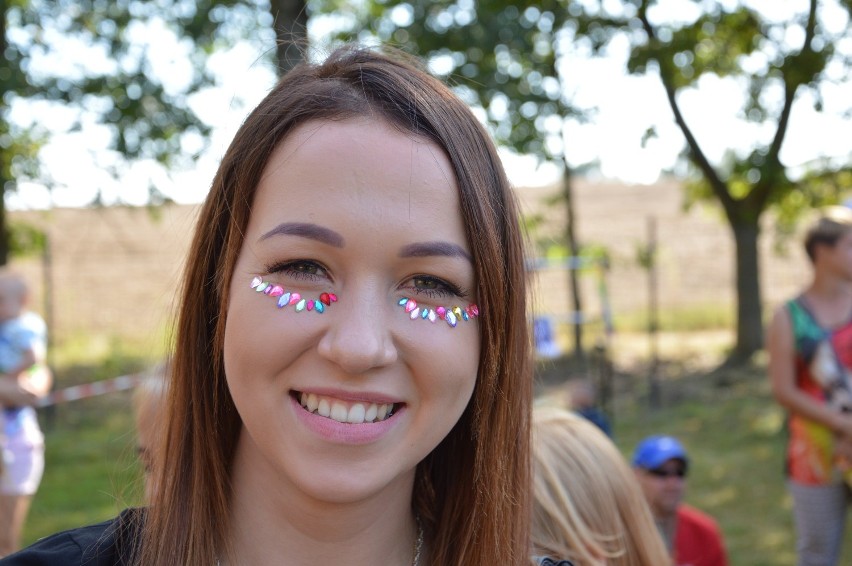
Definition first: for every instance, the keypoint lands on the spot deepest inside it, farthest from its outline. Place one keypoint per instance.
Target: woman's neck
(273, 522)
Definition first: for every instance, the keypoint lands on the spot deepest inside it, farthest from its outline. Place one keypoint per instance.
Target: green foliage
(696, 317)
(91, 471)
(114, 82)
(500, 56)
(26, 239)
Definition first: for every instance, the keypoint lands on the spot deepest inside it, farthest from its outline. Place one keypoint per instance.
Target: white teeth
(312, 403)
(339, 412)
(324, 409)
(358, 413)
(372, 411)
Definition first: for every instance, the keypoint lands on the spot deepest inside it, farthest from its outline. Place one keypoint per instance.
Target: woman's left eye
(433, 287)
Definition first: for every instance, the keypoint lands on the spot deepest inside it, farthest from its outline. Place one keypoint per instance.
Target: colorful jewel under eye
(292, 298)
(451, 315)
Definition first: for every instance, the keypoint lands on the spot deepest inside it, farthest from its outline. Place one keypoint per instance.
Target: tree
(113, 82)
(506, 58)
(290, 21)
(781, 64)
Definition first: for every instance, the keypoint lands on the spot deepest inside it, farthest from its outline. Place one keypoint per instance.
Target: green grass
(733, 434)
(679, 319)
(91, 472)
(735, 440)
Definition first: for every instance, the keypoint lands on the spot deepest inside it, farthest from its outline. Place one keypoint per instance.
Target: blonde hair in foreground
(588, 506)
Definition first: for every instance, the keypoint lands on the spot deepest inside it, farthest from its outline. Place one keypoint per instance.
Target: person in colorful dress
(809, 342)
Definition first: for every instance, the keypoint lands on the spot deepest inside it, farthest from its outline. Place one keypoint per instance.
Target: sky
(76, 160)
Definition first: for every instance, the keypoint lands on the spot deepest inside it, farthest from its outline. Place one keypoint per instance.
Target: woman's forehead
(366, 168)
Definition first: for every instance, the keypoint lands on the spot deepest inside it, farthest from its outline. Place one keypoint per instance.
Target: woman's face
(355, 210)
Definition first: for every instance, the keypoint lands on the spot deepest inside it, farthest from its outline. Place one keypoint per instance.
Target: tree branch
(763, 190)
(717, 185)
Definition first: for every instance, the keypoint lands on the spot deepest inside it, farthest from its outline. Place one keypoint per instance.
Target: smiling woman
(351, 374)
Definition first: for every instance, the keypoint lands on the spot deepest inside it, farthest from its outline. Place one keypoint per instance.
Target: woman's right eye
(300, 269)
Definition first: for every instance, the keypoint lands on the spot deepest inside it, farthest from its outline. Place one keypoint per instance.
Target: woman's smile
(342, 411)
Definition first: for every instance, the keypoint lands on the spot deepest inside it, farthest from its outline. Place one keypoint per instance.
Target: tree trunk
(749, 306)
(290, 21)
(574, 250)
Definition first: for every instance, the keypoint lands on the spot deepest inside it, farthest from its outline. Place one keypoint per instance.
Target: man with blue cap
(693, 537)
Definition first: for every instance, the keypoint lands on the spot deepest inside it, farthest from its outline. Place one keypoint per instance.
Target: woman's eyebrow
(422, 249)
(306, 230)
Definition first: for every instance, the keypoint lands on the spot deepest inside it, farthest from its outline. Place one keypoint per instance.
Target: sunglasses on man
(665, 473)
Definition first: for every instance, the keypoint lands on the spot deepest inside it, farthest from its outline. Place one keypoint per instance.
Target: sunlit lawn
(91, 471)
(735, 441)
(732, 433)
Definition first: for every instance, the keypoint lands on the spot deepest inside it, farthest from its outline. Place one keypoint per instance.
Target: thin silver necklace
(418, 546)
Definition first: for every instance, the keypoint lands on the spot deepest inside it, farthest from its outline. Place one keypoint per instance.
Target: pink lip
(344, 433)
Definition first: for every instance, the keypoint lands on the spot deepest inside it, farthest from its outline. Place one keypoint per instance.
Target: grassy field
(729, 423)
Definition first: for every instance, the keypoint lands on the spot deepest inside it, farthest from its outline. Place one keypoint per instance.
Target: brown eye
(426, 283)
(303, 269)
(306, 268)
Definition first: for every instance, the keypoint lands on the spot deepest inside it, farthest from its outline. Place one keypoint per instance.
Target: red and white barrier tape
(120, 383)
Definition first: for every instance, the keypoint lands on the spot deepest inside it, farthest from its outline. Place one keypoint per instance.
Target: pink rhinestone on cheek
(287, 298)
(452, 315)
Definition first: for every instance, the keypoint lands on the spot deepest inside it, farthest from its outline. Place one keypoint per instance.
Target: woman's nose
(359, 338)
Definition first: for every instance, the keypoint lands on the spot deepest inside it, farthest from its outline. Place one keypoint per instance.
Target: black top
(110, 543)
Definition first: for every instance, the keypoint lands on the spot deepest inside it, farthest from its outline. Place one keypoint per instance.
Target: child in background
(22, 338)
(24, 378)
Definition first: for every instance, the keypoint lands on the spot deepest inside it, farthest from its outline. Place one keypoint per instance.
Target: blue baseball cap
(654, 451)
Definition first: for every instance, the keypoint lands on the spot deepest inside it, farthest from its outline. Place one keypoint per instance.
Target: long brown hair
(471, 492)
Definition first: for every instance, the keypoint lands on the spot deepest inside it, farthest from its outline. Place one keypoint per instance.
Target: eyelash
(289, 268)
(443, 288)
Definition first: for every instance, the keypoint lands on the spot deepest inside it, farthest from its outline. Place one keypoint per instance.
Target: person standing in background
(24, 378)
(693, 537)
(809, 342)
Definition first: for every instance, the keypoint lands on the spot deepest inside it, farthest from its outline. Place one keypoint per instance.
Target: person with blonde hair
(587, 504)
